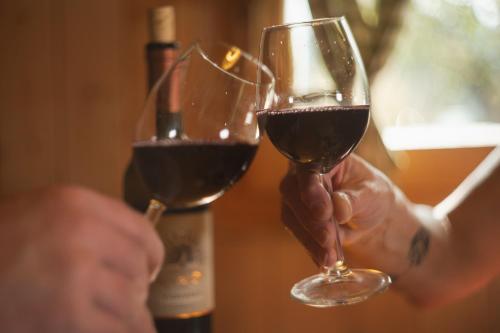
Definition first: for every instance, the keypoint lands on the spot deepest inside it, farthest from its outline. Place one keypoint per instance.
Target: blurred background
(73, 82)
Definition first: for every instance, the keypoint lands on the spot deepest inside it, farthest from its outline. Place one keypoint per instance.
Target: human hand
(75, 261)
(364, 202)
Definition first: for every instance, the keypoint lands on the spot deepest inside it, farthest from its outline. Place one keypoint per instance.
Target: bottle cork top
(162, 24)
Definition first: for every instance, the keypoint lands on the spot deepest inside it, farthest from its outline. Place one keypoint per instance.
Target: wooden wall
(72, 84)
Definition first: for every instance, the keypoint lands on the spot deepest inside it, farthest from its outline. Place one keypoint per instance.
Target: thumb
(342, 207)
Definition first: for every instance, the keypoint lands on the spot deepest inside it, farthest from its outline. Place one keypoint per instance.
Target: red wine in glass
(317, 138)
(186, 173)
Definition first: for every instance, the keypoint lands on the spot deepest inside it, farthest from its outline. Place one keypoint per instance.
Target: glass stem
(339, 268)
(154, 211)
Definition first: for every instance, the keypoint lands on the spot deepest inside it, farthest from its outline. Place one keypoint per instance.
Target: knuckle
(64, 202)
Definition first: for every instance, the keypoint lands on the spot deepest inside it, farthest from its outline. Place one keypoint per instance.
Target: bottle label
(185, 286)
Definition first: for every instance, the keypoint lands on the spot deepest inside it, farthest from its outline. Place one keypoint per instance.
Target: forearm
(474, 212)
(427, 257)
(463, 255)
(410, 246)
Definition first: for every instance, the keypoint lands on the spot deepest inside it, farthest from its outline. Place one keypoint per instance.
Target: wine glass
(319, 112)
(198, 132)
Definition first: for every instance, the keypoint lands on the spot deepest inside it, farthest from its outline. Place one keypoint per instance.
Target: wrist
(385, 247)
(402, 224)
(423, 253)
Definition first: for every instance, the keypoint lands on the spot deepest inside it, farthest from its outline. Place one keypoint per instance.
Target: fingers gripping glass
(198, 132)
(319, 112)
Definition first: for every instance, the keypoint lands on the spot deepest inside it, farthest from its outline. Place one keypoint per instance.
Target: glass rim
(198, 47)
(314, 22)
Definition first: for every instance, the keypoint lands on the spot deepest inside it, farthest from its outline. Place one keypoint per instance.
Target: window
(441, 85)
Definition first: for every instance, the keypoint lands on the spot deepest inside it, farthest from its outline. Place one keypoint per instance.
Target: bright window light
(439, 88)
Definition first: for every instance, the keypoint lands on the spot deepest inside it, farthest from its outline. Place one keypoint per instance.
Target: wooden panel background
(72, 83)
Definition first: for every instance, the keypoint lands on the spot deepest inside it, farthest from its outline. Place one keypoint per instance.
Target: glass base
(350, 287)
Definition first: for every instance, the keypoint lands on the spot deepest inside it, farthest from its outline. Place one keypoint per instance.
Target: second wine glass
(198, 133)
(319, 113)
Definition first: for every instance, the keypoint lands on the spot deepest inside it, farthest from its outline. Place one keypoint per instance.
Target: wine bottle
(181, 299)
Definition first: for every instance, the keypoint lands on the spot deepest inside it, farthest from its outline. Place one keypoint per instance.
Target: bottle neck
(159, 58)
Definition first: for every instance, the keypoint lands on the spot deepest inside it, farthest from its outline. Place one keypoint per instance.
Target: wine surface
(186, 173)
(317, 138)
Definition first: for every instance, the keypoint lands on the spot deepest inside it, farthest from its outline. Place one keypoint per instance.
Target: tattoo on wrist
(419, 247)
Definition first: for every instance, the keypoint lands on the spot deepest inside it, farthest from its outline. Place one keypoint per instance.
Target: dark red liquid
(188, 173)
(262, 120)
(317, 138)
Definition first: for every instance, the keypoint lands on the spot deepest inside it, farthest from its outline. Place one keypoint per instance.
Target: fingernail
(344, 211)
(344, 196)
(154, 274)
